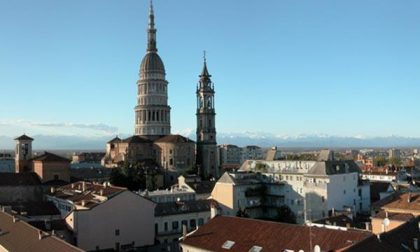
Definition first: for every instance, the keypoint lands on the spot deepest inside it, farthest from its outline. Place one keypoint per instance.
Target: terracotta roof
(24, 137)
(19, 236)
(137, 139)
(398, 239)
(19, 179)
(92, 194)
(339, 220)
(399, 201)
(50, 157)
(115, 140)
(174, 139)
(271, 236)
(394, 216)
(183, 207)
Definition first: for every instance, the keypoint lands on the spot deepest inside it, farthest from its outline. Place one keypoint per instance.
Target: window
(323, 199)
(193, 223)
(200, 221)
(117, 246)
(344, 192)
(175, 225)
(117, 232)
(165, 226)
(171, 161)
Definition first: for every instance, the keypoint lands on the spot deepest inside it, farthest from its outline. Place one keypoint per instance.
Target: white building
(314, 188)
(169, 195)
(251, 152)
(104, 216)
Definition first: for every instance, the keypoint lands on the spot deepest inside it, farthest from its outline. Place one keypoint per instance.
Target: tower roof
(151, 61)
(24, 137)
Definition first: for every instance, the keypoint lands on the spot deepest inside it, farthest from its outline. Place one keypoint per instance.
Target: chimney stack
(40, 236)
(367, 225)
(409, 197)
(416, 244)
(184, 231)
(213, 210)
(83, 186)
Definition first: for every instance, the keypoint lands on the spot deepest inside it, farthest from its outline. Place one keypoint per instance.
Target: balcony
(255, 192)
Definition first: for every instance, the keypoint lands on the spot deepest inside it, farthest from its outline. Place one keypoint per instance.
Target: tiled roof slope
(19, 236)
(271, 236)
(402, 202)
(50, 157)
(183, 207)
(87, 194)
(174, 139)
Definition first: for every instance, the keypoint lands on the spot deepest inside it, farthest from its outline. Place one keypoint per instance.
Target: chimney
(379, 237)
(382, 228)
(409, 197)
(367, 226)
(14, 219)
(72, 186)
(83, 203)
(52, 189)
(333, 212)
(416, 244)
(317, 248)
(184, 231)
(213, 210)
(101, 192)
(40, 236)
(83, 186)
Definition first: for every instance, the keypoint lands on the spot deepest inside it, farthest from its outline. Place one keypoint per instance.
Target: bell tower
(206, 126)
(23, 154)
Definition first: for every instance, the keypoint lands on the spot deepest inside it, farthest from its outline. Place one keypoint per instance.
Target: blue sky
(346, 68)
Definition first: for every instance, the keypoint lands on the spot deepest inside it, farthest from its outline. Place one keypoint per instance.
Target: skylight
(255, 249)
(228, 244)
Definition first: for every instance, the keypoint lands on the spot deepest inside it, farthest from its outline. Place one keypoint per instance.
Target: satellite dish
(386, 222)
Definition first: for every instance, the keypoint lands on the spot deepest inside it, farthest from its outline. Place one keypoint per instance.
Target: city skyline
(279, 68)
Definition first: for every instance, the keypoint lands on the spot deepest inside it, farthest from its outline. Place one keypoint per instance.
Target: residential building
(116, 213)
(230, 156)
(224, 233)
(170, 217)
(251, 152)
(19, 236)
(394, 153)
(394, 210)
(311, 189)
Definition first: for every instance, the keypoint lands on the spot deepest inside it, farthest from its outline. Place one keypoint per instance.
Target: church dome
(152, 63)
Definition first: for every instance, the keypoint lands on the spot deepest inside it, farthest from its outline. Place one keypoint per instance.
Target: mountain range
(241, 139)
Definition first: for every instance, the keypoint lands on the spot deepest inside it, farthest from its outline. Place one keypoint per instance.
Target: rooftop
(50, 157)
(174, 139)
(183, 207)
(18, 236)
(86, 194)
(271, 236)
(400, 202)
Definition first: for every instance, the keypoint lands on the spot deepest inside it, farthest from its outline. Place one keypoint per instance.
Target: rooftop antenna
(204, 56)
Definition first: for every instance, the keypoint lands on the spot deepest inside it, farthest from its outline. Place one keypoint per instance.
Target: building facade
(23, 153)
(206, 126)
(152, 113)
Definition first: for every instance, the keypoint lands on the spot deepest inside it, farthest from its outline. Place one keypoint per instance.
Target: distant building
(230, 156)
(394, 153)
(7, 163)
(51, 167)
(87, 157)
(123, 219)
(176, 153)
(273, 154)
(23, 153)
(251, 152)
(241, 234)
(194, 183)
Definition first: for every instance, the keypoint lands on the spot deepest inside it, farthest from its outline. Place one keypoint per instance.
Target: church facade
(152, 139)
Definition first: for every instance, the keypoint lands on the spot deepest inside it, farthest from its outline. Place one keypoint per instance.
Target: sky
(283, 67)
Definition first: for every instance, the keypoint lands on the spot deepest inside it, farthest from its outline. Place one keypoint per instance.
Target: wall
(127, 212)
(20, 193)
(223, 194)
(48, 171)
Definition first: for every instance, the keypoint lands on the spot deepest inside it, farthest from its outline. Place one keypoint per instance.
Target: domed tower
(206, 126)
(152, 111)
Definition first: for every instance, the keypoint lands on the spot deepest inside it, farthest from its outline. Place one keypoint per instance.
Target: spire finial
(151, 32)
(204, 56)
